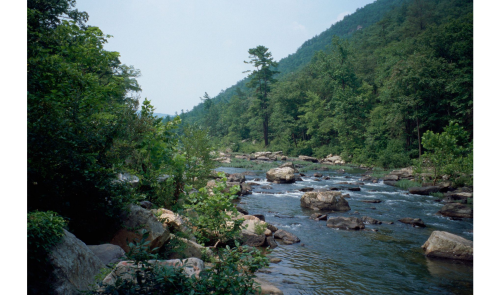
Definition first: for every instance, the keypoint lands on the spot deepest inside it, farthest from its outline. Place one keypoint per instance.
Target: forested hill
(362, 18)
(370, 94)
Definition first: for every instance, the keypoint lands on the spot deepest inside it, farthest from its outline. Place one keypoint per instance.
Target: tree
(261, 79)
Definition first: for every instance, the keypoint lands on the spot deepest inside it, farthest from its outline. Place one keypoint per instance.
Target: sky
(185, 48)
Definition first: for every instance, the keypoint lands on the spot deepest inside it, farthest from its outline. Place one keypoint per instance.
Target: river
(329, 261)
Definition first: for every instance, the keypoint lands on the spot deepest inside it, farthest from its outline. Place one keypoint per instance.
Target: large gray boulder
(108, 253)
(75, 266)
(447, 245)
(327, 200)
(281, 175)
(347, 223)
(456, 210)
(140, 218)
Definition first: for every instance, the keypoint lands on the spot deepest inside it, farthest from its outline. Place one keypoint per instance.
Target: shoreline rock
(443, 244)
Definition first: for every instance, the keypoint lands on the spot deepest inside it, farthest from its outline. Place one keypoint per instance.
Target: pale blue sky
(185, 48)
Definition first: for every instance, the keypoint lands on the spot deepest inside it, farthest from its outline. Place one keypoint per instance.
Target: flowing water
(329, 261)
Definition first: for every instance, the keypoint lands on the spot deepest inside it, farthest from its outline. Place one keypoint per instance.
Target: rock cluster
(332, 160)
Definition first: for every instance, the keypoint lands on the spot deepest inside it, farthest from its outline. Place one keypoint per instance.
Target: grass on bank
(406, 184)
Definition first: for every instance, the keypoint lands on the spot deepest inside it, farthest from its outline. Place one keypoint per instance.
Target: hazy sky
(185, 48)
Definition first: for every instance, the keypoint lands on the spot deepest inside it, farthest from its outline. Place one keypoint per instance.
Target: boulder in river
(286, 236)
(347, 223)
(447, 245)
(289, 164)
(456, 210)
(281, 175)
(424, 190)
(375, 201)
(270, 242)
(354, 189)
(370, 220)
(306, 189)
(327, 200)
(236, 177)
(413, 221)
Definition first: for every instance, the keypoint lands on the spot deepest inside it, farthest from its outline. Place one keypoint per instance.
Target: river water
(329, 261)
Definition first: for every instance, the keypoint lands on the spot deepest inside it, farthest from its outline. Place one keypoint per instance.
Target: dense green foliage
(232, 273)
(449, 153)
(92, 152)
(45, 230)
(370, 95)
(213, 211)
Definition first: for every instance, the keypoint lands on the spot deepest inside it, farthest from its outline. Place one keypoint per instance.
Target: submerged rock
(447, 245)
(370, 220)
(456, 210)
(413, 221)
(346, 223)
(286, 236)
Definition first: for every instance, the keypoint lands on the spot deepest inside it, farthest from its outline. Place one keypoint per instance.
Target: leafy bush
(45, 230)
(449, 153)
(213, 212)
(232, 273)
(260, 228)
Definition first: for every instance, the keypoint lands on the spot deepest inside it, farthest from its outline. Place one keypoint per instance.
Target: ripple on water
(389, 261)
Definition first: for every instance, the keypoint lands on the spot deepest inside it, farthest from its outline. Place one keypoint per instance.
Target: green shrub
(232, 273)
(260, 228)
(213, 212)
(45, 230)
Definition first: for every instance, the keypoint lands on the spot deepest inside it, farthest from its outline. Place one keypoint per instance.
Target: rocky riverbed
(382, 255)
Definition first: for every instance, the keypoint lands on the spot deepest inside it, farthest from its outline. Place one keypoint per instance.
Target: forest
(369, 88)
(388, 87)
